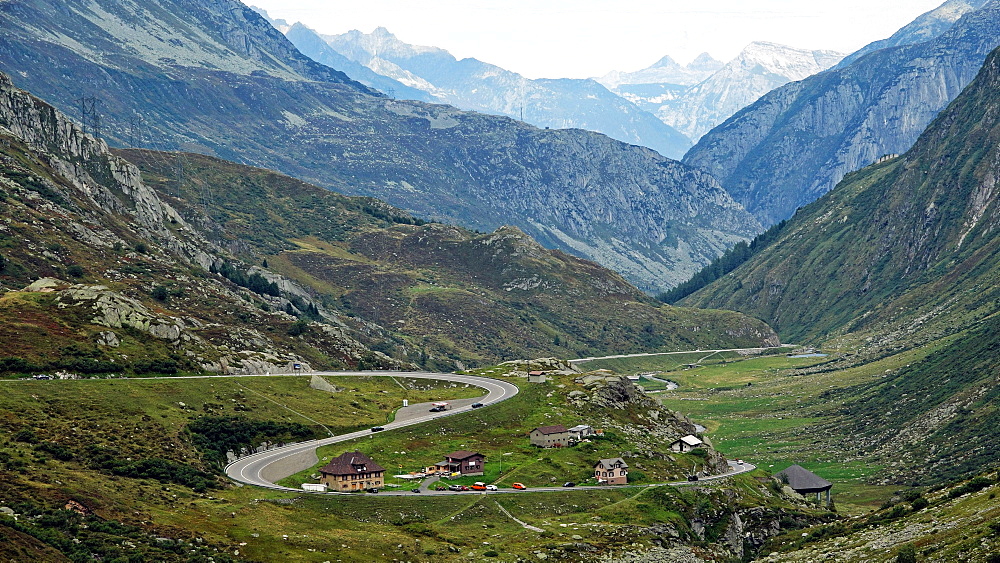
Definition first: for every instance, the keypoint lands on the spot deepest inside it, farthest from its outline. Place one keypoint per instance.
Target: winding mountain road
(264, 468)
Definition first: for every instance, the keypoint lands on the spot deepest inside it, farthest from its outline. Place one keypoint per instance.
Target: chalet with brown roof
(463, 462)
(352, 471)
(555, 436)
(612, 471)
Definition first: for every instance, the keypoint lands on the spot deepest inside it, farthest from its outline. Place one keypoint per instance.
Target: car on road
(479, 486)
(373, 490)
(569, 484)
(378, 428)
(436, 409)
(492, 488)
(519, 486)
(739, 462)
(454, 487)
(417, 490)
(476, 405)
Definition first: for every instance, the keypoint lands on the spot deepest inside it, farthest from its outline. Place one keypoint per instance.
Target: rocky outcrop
(657, 425)
(796, 143)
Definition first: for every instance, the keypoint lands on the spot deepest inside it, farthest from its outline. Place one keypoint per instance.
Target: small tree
(160, 293)
(75, 270)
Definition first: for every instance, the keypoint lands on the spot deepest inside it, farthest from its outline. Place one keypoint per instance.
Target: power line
(90, 116)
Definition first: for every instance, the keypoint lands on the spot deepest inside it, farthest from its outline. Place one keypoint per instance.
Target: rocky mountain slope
(100, 275)
(758, 69)
(926, 27)
(136, 279)
(901, 255)
(218, 79)
(475, 85)
(797, 142)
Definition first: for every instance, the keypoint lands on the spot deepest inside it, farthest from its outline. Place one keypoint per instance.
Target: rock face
(243, 93)
(797, 142)
(474, 85)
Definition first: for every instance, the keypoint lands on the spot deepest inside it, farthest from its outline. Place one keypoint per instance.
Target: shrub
(160, 293)
(906, 554)
(141, 248)
(17, 365)
(919, 504)
(298, 327)
(75, 270)
(977, 484)
(58, 451)
(216, 435)
(26, 435)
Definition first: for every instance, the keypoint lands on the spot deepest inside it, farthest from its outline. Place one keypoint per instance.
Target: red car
(519, 486)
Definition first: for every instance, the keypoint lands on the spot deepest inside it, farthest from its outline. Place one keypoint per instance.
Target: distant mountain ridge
(797, 142)
(232, 86)
(475, 85)
(696, 98)
(665, 71)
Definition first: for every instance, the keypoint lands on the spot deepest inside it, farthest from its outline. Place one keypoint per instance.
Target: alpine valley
(216, 78)
(251, 297)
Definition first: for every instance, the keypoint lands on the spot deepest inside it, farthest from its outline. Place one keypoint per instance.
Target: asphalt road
(264, 468)
(648, 354)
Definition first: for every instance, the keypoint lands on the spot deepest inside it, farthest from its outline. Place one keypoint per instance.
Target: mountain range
(694, 109)
(220, 80)
(474, 85)
(798, 141)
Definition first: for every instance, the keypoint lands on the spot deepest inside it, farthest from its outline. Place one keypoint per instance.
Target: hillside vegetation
(444, 292)
(900, 261)
(242, 270)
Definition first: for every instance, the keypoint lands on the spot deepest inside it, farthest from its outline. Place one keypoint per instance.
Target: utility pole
(134, 132)
(89, 115)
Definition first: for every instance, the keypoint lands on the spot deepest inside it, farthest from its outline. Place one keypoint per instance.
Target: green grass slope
(126, 468)
(899, 251)
(443, 292)
(902, 256)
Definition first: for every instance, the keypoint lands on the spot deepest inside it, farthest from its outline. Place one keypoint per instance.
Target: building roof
(536, 373)
(801, 480)
(461, 454)
(691, 440)
(580, 428)
(611, 462)
(554, 429)
(351, 463)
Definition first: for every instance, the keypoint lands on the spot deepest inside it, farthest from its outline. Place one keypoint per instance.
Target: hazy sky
(584, 38)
